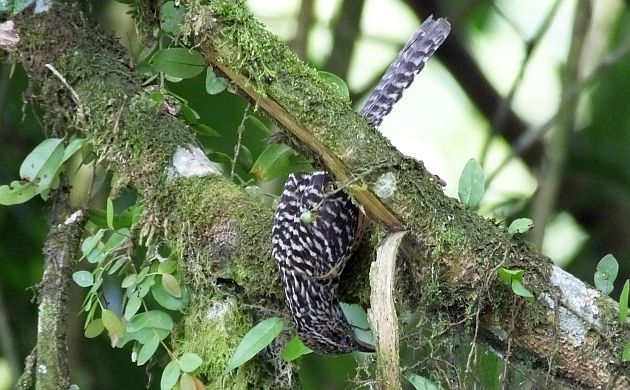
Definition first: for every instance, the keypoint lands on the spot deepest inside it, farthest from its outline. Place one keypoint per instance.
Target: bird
(317, 225)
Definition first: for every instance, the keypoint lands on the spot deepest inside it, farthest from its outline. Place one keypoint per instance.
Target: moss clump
(212, 329)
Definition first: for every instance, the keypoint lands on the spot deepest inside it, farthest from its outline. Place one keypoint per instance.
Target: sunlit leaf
(294, 349)
(43, 163)
(508, 275)
(335, 81)
(607, 270)
(520, 226)
(471, 184)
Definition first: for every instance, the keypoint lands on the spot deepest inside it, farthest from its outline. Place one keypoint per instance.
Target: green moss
(232, 238)
(212, 329)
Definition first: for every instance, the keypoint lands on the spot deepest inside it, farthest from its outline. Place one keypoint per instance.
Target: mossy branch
(465, 248)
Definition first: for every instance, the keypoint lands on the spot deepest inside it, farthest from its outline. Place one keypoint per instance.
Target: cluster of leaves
(150, 291)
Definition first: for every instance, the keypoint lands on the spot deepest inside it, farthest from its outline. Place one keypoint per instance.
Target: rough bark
(47, 365)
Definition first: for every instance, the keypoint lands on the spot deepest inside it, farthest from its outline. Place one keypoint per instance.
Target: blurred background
(541, 101)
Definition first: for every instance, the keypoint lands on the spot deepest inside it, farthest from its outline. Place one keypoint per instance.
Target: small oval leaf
(148, 350)
(170, 376)
(171, 285)
(189, 362)
(94, 329)
(83, 278)
(520, 226)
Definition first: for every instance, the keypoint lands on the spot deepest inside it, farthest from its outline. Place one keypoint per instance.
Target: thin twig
(237, 147)
(73, 93)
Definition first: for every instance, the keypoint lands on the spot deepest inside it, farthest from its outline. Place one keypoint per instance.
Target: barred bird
(317, 226)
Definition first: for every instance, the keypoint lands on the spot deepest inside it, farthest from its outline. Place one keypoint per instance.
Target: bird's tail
(401, 72)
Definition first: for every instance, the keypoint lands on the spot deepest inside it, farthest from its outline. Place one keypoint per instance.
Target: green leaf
(508, 275)
(167, 266)
(90, 242)
(272, 162)
(171, 285)
(520, 226)
(188, 382)
(294, 349)
(171, 16)
(129, 280)
(142, 336)
(205, 130)
(335, 81)
(471, 184)
(623, 303)
(94, 328)
(421, 383)
(606, 273)
(355, 314)
(170, 375)
(118, 238)
(520, 290)
(117, 265)
(83, 278)
(132, 306)
(255, 341)
(74, 146)
(189, 362)
(43, 163)
(156, 319)
(178, 62)
(626, 353)
(112, 323)
(148, 350)
(165, 299)
(17, 192)
(110, 213)
(214, 84)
